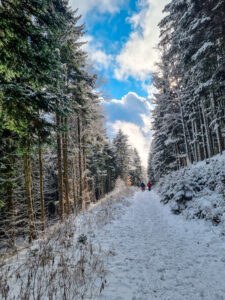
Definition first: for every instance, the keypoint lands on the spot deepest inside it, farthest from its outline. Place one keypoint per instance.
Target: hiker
(142, 187)
(149, 186)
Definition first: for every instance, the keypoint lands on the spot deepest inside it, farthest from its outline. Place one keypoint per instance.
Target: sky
(122, 38)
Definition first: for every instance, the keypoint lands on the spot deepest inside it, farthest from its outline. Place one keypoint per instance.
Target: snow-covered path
(157, 255)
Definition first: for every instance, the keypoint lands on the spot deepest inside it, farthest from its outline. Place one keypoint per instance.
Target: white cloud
(101, 59)
(139, 55)
(132, 114)
(136, 137)
(96, 54)
(130, 108)
(126, 100)
(102, 6)
(151, 90)
(147, 123)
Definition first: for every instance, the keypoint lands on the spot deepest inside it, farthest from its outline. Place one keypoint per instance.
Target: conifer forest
(189, 114)
(55, 156)
(112, 149)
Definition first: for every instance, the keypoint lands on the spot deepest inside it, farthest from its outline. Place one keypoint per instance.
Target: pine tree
(122, 160)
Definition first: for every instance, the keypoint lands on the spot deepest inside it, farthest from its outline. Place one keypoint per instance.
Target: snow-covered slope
(69, 262)
(197, 191)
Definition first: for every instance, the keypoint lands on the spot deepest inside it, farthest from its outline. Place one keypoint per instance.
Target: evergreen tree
(123, 158)
(189, 115)
(136, 173)
(52, 161)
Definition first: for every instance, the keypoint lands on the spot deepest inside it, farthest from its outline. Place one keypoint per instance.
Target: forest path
(157, 255)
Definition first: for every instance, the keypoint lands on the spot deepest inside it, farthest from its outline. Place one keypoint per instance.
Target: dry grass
(57, 267)
(68, 263)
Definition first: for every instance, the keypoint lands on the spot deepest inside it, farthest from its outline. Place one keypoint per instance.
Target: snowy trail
(157, 255)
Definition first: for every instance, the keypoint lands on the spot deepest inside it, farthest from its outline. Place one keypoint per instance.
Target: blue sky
(122, 36)
(111, 32)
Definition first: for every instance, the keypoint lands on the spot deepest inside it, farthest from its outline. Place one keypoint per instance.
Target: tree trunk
(191, 151)
(217, 126)
(178, 158)
(93, 189)
(11, 213)
(194, 138)
(77, 179)
(102, 187)
(197, 141)
(207, 134)
(80, 200)
(65, 165)
(184, 133)
(220, 136)
(27, 173)
(60, 177)
(42, 189)
(84, 167)
(204, 146)
(74, 183)
(10, 199)
(109, 180)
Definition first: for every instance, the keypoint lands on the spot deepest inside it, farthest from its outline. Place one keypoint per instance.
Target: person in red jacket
(149, 186)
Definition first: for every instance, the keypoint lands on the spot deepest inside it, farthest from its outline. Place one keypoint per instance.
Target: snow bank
(197, 191)
(69, 262)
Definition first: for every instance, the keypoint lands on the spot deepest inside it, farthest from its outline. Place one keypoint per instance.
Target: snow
(220, 3)
(47, 118)
(158, 255)
(204, 47)
(197, 191)
(144, 251)
(198, 22)
(69, 262)
(203, 85)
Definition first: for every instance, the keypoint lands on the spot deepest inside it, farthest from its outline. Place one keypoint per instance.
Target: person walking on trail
(149, 185)
(142, 187)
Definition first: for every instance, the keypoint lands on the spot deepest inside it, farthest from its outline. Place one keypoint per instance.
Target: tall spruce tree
(123, 158)
(136, 172)
(191, 84)
(49, 116)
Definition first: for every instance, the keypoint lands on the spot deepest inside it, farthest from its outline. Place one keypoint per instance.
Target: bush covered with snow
(197, 191)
